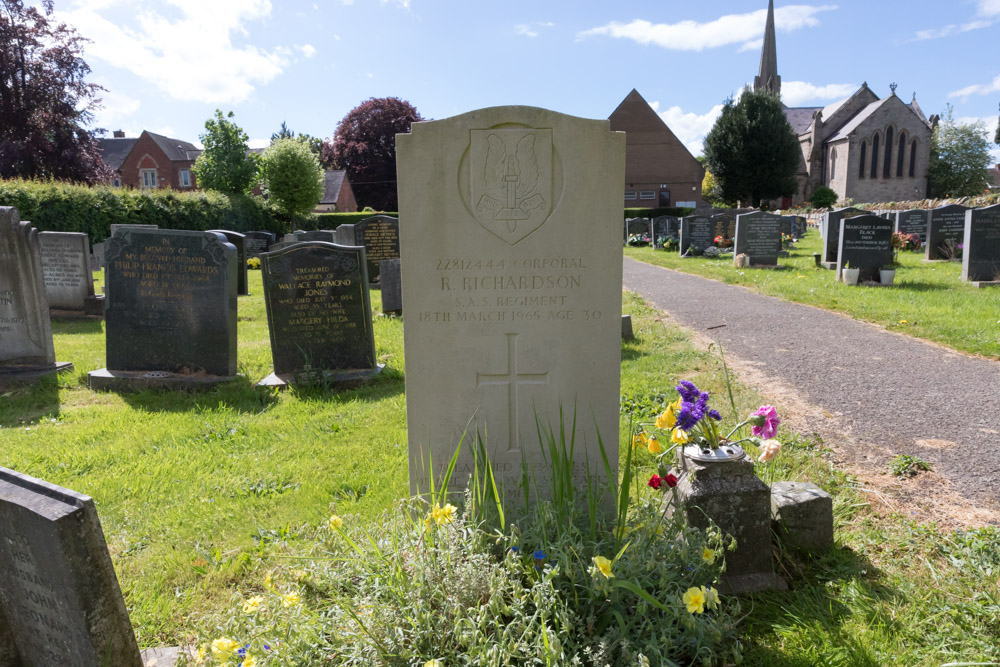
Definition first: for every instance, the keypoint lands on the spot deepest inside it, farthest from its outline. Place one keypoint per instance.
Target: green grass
(929, 299)
(201, 493)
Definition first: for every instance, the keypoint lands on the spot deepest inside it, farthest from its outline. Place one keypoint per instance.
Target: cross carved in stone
(512, 379)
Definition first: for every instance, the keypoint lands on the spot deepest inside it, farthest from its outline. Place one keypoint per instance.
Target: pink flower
(767, 425)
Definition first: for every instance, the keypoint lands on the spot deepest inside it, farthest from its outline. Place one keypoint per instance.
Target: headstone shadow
(389, 383)
(240, 395)
(27, 403)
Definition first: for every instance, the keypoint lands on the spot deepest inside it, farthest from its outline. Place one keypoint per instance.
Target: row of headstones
(864, 241)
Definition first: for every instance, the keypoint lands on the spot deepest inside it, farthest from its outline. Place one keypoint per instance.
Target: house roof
(115, 150)
(800, 118)
(175, 149)
(333, 182)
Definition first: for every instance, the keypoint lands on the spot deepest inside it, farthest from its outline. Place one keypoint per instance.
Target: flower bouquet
(722, 242)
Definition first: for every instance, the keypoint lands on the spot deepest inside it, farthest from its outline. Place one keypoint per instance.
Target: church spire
(768, 78)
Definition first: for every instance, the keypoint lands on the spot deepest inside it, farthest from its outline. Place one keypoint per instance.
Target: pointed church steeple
(768, 78)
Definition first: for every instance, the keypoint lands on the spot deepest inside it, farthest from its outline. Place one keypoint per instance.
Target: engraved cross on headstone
(512, 378)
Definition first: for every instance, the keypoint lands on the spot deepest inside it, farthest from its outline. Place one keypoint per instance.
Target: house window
(147, 177)
(664, 198)
(647, 194)
(913, 158)
(116, 181)
(630, 195)
(864, 149)
(874, 172)
(887, 163)
(185, 178)
(899, 153)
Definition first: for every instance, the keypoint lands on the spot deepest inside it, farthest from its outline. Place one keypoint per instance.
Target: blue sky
(169, 65)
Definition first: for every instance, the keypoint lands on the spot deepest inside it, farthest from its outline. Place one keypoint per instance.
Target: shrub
(656, 212)
(292, 177)
(823, 197)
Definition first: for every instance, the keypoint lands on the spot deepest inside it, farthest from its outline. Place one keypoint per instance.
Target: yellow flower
(251, 605)
(427, 521)
(694, 599)
(669, 416)
(200, 655)
(708, 555)
(638, 439)
(654, 445)
(433, 662)
(223, 649)
(335, 522)
(603, 566)
(902, 321)
(288, 599)
(679, 437)
(249, 661)
(444, 514)
(711, 597)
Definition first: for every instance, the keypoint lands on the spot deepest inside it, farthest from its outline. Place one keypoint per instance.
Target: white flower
(769, 450)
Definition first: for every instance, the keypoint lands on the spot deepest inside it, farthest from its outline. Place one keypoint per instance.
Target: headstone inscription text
(981, 255)
(945, 231)
(380, 237)
(758, 235)
(865, 244)
(697, 233)
(66, 268)
(913, 221)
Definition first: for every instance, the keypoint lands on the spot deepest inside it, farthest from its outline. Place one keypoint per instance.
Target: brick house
(150, 161)
(338, 196)
(659, 170)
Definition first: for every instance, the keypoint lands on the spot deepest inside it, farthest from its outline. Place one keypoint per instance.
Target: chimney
(119, 134)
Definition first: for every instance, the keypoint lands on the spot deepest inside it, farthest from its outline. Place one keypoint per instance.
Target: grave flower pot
(851, 276)
(886, 276)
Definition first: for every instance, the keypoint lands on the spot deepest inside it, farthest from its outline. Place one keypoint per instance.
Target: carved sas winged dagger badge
(511, 180)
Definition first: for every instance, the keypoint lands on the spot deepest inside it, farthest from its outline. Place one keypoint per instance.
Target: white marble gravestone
(509, 220)
(69, 282)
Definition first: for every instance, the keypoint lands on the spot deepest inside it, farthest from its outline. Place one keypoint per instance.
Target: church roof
(917, 110)
(853, 124)
(800, 118)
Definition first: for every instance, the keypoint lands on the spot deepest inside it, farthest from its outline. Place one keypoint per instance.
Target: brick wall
(146, 154)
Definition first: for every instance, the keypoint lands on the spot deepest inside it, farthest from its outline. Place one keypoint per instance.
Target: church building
(865, 148)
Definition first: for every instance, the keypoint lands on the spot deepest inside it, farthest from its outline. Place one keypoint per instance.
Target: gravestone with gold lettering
(26, 350)
(379, 235)
(509, 220)
(171, 310)
(318, 314)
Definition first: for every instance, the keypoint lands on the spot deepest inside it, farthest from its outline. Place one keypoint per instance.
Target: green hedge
(334, 220)
(657, 212)
(60, 207)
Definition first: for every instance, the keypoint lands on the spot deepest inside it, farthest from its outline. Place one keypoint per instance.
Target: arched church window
(899, 153)
(913, 158)
(864, 150)
(875, 141)
(833, 163)
(887, 162)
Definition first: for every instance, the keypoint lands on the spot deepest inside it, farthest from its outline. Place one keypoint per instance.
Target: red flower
(656, 481)
(671, 480)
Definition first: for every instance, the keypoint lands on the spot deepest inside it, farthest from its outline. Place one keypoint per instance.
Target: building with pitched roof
(864, 147)
(150, 161)
(338, 196)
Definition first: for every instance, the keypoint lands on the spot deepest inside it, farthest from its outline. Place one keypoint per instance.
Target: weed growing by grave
(904, 465)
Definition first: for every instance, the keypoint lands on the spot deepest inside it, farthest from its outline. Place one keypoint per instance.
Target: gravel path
(890, 393)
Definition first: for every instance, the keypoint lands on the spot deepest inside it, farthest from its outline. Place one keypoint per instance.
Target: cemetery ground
(928, 299)
(202, 496)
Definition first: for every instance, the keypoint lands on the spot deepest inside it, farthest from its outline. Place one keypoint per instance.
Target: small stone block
(985, 283)
(627, 328)
(802, 515)
(164, 656)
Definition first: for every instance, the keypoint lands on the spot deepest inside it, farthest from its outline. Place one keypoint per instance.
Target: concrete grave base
(985, 283)
(829, 265)
(802, 516)
(772, 267)
(13, 375)
(319, 376)
(105, 379)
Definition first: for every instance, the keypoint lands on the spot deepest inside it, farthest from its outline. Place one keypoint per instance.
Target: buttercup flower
(249, 661)
(288, 599)
(708, 555)
(335, 522)
(444, 514)
(671, 480)
(251, 605)
(679, 437)
(655, 482)
(711, 597)
(694, 600)
(223, 649)
(653, 445)
(603, 566)
(769, 451)
(766, 424)
(433, 662)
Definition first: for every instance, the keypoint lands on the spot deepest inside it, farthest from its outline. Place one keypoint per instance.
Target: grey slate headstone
(379, 235)
(981, 255)
(697, 233)
(945, 228)
(912, 221)
(758, 235)
(831, 232)
(665, 227)
(239, 242)
(865, 244)
(115, 228)
(257, 242)
(725, 225)
(392, 286)
(58, 589)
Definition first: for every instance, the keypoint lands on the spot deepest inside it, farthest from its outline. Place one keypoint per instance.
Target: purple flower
(767, 423)
(694, 404)
(714, 414)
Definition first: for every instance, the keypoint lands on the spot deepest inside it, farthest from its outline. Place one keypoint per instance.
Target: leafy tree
(225, 164)
(315, 144)
(44, 102)
(283, 133)
(292, 176)
(752, 151)
(960, 158)
(365, 145)
(823, 197)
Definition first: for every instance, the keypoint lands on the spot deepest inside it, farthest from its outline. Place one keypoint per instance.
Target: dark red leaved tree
(365, 145)
(44, 101)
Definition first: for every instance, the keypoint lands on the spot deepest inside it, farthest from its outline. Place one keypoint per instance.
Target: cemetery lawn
(201, 495)
(928, 301)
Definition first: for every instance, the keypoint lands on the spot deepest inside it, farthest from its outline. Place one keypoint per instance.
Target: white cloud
(752, 45)
(977, 89)
(258, 143)
(689, 127)
(989, 7)
(191, 57)
(307, 50)
(531, 30)
(118, 109)
(728, 29)
(951, 29)
(794, 93)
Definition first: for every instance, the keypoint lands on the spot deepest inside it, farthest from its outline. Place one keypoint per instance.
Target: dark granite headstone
(26, 350)
(799, 229)
(725, 225)
(981, 255)
(865, 244)
(758, 235)
(115, 228)
(787, 225)
(318, 235)
(69, 282)
(171, 313)
(58, 589)
(392, 286)
(637, 227)
(697, 233)
(239, 242)
(913, 221)
(318, 314)
(945, 231)
(665, 227)
(830, 228)
(378, 234)
(257, 242)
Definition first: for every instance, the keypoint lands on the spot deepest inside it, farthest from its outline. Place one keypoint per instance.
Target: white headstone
(66, 267)
(509, 222)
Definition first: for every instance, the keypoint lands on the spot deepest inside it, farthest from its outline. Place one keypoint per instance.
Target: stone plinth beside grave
(627, 333)
(802, 516)
(981, 255)
(319, 315)
(69, 281)
(239, 242)
(758, 235)
(865, 244)
(171, 314)
(26, 350)
(945, 232)
(720, 485)
(392, 286)
(512, 285)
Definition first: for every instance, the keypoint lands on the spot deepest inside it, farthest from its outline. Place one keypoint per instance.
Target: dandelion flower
(223, 649)
(335, 522)
(251, 605)
(694, 600)
(603, 566)
(288, 599)
(708, 555)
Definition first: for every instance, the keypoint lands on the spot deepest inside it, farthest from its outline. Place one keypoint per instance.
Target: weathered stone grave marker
(758, 235)
(945, 231)
(865, 244)
(319, 316)
(912, 221)
(697, 233)
(512, 282)
(171, 310)
(69, 282)
(379, 235)
(981, 255)
(26, 350)
(239, 242)
(830, 228)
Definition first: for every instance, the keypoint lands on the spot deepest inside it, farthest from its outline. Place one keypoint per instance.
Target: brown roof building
(150, 161)
(338, 196)
(659, 169)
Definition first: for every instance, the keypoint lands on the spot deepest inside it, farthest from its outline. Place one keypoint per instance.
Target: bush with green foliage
(657, 212)
(291, 177)
(225, 164)
(61, 207)
(960, 158)
(823, 197)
